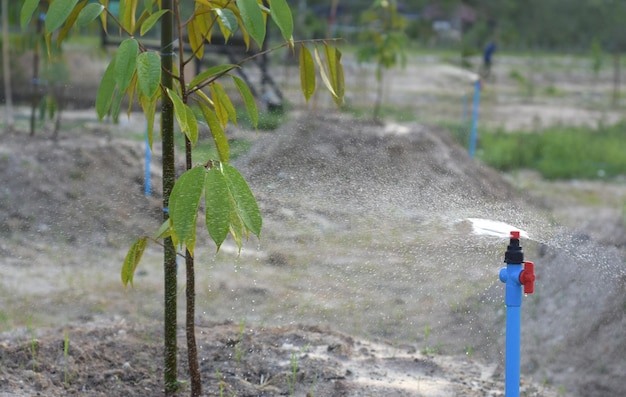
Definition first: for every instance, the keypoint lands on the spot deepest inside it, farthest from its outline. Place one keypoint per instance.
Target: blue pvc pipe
(472, 144)
(147, 185)
(513, 300)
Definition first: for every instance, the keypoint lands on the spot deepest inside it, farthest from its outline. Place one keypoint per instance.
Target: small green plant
(294, 369)
(66, 349)
(33, 343)
(293, 376)
(429, 350)
(427, 331)
(4, 317)
(469, 351)
(222, 384)
(521, 80)
(551, 90)
(313, 385)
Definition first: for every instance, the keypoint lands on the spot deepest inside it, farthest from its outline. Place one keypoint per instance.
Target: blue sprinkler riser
(519, 277)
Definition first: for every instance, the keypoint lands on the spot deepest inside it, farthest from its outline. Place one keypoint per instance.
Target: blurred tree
(6, 66)
(383, 41)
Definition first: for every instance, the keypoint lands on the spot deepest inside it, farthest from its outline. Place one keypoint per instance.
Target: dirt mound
(337, 160)
(81, 189)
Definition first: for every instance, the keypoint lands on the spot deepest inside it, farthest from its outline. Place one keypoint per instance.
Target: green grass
(387, 112)
(557, 152)
(205, 150)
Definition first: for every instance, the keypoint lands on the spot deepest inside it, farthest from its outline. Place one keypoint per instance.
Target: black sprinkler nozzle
(514, 253)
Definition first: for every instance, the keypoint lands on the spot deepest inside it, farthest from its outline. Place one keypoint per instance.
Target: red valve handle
(527, 277)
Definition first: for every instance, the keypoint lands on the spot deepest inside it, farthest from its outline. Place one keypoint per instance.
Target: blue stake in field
(518, 275)
(473, 132)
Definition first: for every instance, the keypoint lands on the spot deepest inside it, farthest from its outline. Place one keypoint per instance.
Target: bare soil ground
(367, 280)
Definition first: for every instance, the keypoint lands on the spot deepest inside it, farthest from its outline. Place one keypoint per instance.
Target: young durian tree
(152, 79)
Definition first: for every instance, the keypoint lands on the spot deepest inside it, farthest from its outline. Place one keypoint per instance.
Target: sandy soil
(367, 280)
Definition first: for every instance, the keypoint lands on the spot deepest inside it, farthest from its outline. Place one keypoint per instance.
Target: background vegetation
(539, 32)
(558, 152)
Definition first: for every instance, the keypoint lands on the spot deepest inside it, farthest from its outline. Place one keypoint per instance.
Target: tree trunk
(190, 326)
(332, 18)
(169, 177)
(35, 82)
(6, 65)
(379, 95)
(532, 70)
(617, 72)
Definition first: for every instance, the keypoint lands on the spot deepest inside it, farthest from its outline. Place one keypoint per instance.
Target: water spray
(519, 276)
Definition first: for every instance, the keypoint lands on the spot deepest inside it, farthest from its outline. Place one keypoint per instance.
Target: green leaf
(335, 70)
(149, 109)
(105, 91)
(88, 14)
(149, 72)
(116, 105)
(210, 72)
(248, 100)
(183, 206)
(126, 63)
(341, 83)
(103, 16)
(253, 19)
(236, 229)
(325, 78)
(165, 230)
(57, 14)
(132, 88)
(281, 14)
(128, 9)
(147, 5)
(69, 22)
(245, 203)
(307, 73)
(220, 111)
(150, 21)
(133, 256)
(220, 97)
(219, 137)
(217, 202)
(192, 124)
(196, 28)
(179, 110)
(228, 19)
(26, 13)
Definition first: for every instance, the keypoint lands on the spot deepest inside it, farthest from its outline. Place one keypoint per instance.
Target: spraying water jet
(489, 227)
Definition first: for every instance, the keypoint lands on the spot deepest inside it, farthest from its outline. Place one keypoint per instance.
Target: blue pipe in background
(473, 133)
(516, 274)
(147, 183)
